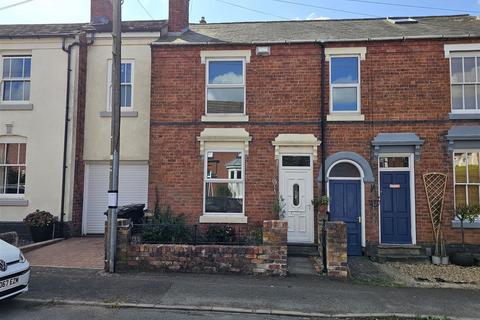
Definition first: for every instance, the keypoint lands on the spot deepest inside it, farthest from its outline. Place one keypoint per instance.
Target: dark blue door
(345, 205)
(395, 207)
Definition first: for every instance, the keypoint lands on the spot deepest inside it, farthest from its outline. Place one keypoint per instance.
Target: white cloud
(228, 78)
(313, 16)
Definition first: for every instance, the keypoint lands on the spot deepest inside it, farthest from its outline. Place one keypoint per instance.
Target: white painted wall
(43, 126)
(134, 143)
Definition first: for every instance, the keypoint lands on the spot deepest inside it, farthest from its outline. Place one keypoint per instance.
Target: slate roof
(55, 30)
(327, 30)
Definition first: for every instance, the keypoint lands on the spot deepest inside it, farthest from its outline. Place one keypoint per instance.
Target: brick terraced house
(246, 114)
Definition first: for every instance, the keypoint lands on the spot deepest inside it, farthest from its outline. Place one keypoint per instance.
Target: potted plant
(465, 213)
(41, 225)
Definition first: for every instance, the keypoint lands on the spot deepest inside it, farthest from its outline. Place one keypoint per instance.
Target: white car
(14, 271)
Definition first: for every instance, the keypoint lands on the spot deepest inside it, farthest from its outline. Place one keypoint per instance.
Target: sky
(68, 11)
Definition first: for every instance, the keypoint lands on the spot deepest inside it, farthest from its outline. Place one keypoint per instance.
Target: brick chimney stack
(101, 12)
(178, 14)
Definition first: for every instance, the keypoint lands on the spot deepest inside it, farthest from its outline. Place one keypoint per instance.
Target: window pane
(12, 180)
(16, 70)
(224, 197)
(296, 194)
(26, 92)
(344, 99)
(21, 187)
(457, 97)
(126, 95)
(6, 90)
(457, 75)
(3, 171)
(2, 153)
(225, 100)
(16, 90)
(345, 170)
(12, 153)
(126, 73)
(344, 70)
(28, 66)
(469, 92)
(460, 161)
(469, 69)
(394, 162)
(220, 163)
(22, 155)
(225, 72)
(460, 196)
(473, 195)
(6, 68)
(296, 161)
(473, 162)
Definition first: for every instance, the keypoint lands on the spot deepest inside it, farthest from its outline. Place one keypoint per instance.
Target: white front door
(296, 190)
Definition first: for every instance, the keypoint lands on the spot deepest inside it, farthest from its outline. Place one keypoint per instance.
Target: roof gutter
(68, 50)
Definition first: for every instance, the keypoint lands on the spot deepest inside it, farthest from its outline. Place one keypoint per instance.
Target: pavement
(84, 253)
(300, 295)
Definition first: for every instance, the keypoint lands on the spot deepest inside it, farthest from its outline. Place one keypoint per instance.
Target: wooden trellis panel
(435, 185)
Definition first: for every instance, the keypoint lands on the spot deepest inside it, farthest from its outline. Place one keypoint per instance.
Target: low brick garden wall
(337, 263)
(267, 259)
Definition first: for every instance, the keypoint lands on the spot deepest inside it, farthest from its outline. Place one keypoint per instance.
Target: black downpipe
(323, 150)
(68, 50)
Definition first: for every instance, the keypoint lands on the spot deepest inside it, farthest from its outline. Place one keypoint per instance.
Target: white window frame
(216, 180)
(109, 85)
(345, 85)
(466, 184)
(2, 166)
(225, 86)
(2, 79)
(476, 84)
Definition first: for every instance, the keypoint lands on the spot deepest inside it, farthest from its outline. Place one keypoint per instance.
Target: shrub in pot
(466, 213)
(41, 225)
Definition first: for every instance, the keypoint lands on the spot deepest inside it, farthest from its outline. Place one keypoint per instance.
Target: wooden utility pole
(115, 138)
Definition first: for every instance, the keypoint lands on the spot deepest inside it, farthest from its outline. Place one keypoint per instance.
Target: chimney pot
(101, 12)
(203, 21)
(178, 14)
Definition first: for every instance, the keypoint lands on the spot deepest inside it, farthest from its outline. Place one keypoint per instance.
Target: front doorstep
(302, 249)
(397, 252)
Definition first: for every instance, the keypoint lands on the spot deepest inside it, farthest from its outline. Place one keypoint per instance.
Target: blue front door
(395, 207)
(345, 205)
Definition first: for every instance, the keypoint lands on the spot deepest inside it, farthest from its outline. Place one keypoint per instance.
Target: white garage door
(133, 188)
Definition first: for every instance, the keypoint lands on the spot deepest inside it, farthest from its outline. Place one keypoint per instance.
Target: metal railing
(197, 234)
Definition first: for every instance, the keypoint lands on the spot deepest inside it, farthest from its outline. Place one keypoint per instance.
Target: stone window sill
(345, 117)
(16, 107)
(214, 218)
(466, 225)
(125, 114)
(13, 202)
(461, 116)
(225, 118)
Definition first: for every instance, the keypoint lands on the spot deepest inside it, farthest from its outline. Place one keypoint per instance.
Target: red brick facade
(405, 87)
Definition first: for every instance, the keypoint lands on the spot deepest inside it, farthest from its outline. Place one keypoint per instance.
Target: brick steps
(302, 250)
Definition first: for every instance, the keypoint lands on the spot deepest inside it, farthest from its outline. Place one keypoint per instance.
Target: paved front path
(85, 253)
(295, 293)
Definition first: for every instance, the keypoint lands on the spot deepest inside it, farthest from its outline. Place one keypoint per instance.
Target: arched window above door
(344, 170)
